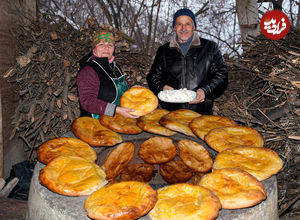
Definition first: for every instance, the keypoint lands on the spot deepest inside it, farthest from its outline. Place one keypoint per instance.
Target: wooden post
(247, 12)
(1, 140)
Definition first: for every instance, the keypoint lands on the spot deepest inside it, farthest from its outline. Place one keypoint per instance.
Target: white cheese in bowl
(177, 96)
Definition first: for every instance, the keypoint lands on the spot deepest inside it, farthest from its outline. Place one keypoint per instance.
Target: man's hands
(200, 97)
(166, 87)
(125, 112)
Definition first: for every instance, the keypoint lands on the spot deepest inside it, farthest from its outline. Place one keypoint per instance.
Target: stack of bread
(70, 167)
(230, 181)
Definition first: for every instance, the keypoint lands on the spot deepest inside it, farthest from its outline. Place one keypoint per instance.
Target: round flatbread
(141, 172)
(223, 138)
(150, 123)
(179, 121)
(72, 176)
(66, 146)
(195, 156)
(203, 124)
(175, 171)
(120, 124)
(235, 188)
(121, 201)
(185, 201)
(91, 131)
(141, 99)
(260, 162)
(157, 150)
(118, 160)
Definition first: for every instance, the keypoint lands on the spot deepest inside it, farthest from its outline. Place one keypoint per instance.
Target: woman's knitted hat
(103, 36)
(186, 12)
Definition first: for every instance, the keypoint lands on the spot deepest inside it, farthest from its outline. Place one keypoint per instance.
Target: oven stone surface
(47, 205)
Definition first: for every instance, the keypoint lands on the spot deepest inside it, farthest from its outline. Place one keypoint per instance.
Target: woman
(101, 81)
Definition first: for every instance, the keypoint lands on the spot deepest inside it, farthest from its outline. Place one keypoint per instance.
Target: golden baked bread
(234, 187)
(175, 171)
(121, 201)
(91, 131)
(185, 201)
(194, 155)
(179, 121)
(65, 146)
(141, 99)
(203, 124)
(72, 176)
(223, 138)
(118, 160)
(120, 124)
(150, 123)
(156, 150)
(141, 172)
(260, 162)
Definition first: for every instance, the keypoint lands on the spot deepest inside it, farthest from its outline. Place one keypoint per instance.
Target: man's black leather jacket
(203, 67)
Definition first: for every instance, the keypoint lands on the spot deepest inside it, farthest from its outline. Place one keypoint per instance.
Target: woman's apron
(122, 87)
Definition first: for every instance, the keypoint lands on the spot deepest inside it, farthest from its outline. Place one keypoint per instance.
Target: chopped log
(66, 88)
(9, 187)
(272, 115)
(9, 72)
(30, 115)
(294, 137)
(289, 204)
(119, 34)
(2, 183)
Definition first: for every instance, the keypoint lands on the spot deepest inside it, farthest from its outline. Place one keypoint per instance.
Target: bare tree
(155, 28)
(277, 4)
(150, 16)
(149, 23)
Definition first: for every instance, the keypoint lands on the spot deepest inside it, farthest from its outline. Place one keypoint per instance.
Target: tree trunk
(277, 5)
(153, 48)
(298, 17)
(247, 12)
(150, 28)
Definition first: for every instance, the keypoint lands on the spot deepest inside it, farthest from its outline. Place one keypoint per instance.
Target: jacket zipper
(183, 76)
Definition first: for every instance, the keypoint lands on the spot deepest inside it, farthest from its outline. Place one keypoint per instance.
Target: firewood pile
(46, 71)
(263, 93)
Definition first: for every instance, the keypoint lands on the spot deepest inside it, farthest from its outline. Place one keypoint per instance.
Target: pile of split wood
(264, 93)
(46, 71)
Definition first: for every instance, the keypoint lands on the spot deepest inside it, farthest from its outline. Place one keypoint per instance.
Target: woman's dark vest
(107, 90)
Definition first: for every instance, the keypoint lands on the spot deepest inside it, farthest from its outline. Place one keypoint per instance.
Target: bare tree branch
(203, 9)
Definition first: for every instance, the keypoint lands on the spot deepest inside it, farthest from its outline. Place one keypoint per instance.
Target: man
(191, 62)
